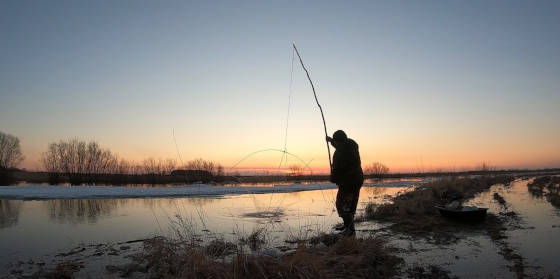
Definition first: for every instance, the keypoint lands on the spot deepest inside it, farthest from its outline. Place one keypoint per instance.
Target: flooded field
(528, 247)
(42, 228)
(534, 236)
(105, 230)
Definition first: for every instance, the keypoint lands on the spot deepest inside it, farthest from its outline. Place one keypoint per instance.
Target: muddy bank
(414, 212)
(83, 261)
(325, 256)
(503, 240)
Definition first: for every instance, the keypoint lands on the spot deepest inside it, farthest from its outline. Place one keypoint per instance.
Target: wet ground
(533, 227)
(91, 234)
(39, 230)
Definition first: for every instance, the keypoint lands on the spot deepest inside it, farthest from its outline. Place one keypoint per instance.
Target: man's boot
(340, 227)
(349, 225)
(343, 226)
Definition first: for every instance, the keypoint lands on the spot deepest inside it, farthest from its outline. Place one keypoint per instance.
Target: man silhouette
(347, 173)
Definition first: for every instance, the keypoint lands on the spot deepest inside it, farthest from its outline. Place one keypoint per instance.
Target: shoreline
(30, 177)
(48, 192)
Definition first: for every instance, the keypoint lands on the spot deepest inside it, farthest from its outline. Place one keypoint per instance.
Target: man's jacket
(347, 167)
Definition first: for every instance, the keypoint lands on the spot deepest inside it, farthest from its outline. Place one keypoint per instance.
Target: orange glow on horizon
(424, 155)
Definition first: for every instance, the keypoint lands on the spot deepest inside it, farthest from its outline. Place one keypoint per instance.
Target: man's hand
(328, 139)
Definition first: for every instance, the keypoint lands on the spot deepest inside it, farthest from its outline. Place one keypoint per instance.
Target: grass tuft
(255, 240)
(347, 257)
(421, 202)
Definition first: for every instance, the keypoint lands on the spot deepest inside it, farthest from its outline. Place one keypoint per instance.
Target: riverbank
(46, 192)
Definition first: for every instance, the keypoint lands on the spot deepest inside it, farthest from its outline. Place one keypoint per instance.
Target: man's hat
(339, 136)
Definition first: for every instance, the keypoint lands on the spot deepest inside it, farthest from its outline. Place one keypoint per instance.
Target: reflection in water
(173, 202)
(535, 239)
(66, 223)
(80, 211)
(379, 194)
(89, 211)
(9, 212)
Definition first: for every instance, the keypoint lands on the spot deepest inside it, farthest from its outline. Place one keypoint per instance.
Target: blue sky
(423, 84)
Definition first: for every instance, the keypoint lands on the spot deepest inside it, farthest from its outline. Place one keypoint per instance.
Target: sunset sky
(420, 85)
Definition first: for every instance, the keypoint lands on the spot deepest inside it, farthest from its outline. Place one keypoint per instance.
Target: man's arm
(332, 177)
(335, 170)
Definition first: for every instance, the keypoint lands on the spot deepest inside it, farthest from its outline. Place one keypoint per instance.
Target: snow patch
(39, 192)
(118, 192)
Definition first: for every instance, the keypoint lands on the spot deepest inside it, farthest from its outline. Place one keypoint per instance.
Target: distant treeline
(518, 172)
(78, 162)
(119, 179)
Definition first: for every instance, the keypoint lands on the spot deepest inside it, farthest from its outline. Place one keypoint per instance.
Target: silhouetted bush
(189, 176)
(54, 178)
(376, 169)
(6, 177)
(201, 164)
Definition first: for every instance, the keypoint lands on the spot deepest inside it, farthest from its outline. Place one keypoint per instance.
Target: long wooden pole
(319, 105)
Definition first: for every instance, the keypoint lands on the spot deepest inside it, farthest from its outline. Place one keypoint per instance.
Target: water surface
(35, 228)
(39, 229)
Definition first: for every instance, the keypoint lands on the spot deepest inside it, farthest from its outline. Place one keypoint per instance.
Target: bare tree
(201, 164)
(80, 161)
(150, 166)
(376, 169)
(159, 167)
(220, 170)
(485, 167)
(10, 151)
(123, 167)
(168, 166)
(295, 170)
